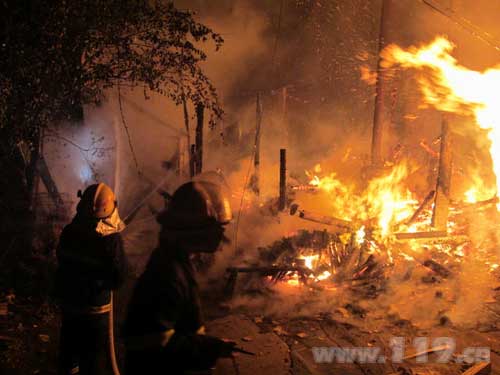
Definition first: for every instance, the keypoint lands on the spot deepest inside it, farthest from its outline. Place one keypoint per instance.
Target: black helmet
(200, 203)
(196, 215)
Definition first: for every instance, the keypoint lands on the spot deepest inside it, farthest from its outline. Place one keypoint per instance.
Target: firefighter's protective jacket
(90, 265)
(164, 318)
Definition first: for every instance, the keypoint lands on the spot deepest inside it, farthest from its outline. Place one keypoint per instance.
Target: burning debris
(377, 235)
(382, 230)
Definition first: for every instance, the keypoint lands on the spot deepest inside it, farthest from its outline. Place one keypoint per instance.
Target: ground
(29, 335)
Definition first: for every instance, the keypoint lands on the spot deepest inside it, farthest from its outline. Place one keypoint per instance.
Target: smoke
(305, 66)
(132, 144)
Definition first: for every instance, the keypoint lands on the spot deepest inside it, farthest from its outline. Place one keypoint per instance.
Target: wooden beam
(381, 116)
(420, 208)
(340, 224)
(417, 235)
(481, 368)
(256, 162)
(437, 268)
(282, 196)
(435, 349)
(442, 198)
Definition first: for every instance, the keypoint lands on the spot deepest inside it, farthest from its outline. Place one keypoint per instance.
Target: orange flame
(451, 87)
(386, 199)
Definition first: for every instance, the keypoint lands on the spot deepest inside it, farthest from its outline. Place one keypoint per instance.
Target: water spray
(130, 216)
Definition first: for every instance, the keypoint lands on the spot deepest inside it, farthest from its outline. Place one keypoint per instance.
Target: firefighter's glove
(226, 348)
(215, 347)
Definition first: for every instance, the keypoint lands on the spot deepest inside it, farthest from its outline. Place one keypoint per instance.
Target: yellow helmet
(97, 201)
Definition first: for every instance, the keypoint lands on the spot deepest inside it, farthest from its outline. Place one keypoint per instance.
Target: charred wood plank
(419, 235)
(476, 205)
(428, 149)
(437, 268)
(340, 224)
(268, 270)
(434, 349)
(276, 272)
(442, 198)
(481, 368)
(422, 206)
(365, 269)
(256, 162)
(327, 220)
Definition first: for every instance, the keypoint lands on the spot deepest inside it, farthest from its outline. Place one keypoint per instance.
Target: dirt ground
(29, 338)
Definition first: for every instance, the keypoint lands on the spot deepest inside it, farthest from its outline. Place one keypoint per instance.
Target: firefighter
(91, 263)
(164, 330)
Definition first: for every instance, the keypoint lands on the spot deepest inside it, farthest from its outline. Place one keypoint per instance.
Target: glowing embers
(322, 260)
(304, 269)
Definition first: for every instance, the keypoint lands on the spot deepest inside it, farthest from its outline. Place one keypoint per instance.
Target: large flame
(477, 190)
(451, 87)
(384, 204)
(386, 200)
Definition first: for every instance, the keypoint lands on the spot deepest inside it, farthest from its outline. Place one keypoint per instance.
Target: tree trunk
(200, 109)
(188, 136)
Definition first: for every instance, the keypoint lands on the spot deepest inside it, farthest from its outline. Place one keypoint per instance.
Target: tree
(57, 56)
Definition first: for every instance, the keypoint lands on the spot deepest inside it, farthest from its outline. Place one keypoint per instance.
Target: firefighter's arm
(197, 348)
(200, 351)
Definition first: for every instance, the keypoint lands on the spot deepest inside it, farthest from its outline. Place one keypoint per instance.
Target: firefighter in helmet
(164, 330)
(91, 263)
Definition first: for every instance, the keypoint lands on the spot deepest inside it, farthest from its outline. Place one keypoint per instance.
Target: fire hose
(99, 310)
(111, 337)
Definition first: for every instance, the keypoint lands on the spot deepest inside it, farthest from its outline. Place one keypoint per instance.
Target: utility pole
(381, 118)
